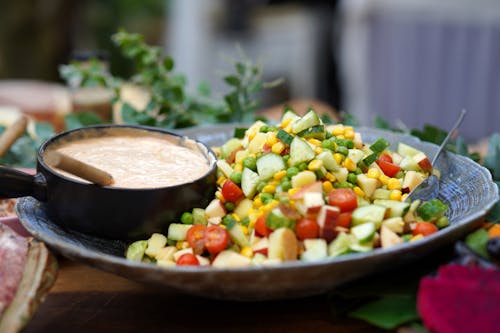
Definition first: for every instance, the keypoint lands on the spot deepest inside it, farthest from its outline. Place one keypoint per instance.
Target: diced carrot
(494, 231)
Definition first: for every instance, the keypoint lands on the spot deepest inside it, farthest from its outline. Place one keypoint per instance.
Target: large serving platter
(466, 187)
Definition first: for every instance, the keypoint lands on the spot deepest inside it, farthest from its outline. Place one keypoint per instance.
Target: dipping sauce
(138, 158)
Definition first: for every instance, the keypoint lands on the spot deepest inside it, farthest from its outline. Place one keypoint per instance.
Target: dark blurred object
(35, 36)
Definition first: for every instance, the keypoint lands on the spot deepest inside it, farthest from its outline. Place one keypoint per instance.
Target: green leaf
(388, 312)
(81, 119)
(492, 158)
(477, 241)
(129, 114)
(349, 119)
(232, 80)
(240, 68)
(380, 122)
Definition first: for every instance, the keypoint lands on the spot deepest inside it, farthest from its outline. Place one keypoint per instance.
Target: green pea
(187, 218)
(292, 171)
(226, 220)
(235, 177)
(349, 143)
(358, 171)
(352, 178)
(328, 144)
(250, 162)
(266, 198)
(286, 158)
(286, 185)
(343, 185)
(229, 206)
(284, 200)
(245, 221)
(442, 222)
(302, 166)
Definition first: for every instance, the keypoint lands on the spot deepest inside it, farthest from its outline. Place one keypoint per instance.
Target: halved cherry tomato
(306, 228)
(385, 157)
(196, 238)
(188, 259)
(344, 219)
(231, 191)
(261, 227)
(216, 239)
(389, 169)
(344, 198)
(424, 228)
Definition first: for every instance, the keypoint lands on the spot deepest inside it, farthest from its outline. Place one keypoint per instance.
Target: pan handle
(15, 184)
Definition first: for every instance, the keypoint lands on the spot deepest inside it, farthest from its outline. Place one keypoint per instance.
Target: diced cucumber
(199, 216)
(289, 114)
(268, 165)
(310, 119)
(406, 150)
(355, 155)
(370, 159)
(369, 213)
(397, 208)
(243, 207)
(225, 168)
(300, 151)
(340, 245)
(284, 136)
(381, 193)
(409, 164)
(328, 161)
(364, 232)
(135, 251)
(237, 235)
(249, 181)
(178, 231)
(379, 145)
(316, 132)
(341, 174)
(276, 219)
(228, 147)
(361, 247)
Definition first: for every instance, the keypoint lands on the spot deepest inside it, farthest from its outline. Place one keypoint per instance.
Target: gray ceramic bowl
(466, 187)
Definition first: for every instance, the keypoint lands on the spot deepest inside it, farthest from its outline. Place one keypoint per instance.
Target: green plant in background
(170, 105)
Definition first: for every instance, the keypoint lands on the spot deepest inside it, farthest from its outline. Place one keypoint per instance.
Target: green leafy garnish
(477, 240)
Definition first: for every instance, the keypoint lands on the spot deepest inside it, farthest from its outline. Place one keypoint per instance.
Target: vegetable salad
(300, 190)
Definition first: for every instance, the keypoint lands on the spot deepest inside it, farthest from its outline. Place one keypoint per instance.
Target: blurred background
(410, 62)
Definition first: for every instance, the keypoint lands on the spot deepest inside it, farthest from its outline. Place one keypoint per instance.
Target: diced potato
(303, 178)
(230, 258)
(283, 245)
(155, 243)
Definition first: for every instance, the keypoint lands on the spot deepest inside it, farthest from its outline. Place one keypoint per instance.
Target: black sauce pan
(110, 212)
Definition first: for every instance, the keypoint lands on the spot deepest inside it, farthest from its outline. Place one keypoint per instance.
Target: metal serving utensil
(429, 188)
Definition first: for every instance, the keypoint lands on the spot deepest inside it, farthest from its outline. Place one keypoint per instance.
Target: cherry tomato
(424, 228)
(344, 198)
(196, 238)
(261, 227)
(231, 191)
(389, 169)
(188, 259)
(385, 157)
(216, 239)
(344, 220)
(306, 228)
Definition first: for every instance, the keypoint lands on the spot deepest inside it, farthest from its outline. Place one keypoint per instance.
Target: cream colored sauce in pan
(138, 161)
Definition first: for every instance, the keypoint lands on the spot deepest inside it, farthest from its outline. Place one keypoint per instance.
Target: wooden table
(84, 299)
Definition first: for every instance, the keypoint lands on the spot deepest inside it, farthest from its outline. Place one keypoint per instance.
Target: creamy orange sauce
(139, 161)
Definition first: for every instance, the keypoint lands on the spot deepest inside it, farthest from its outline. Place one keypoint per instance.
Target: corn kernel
(257, 202)
(292, 191)
(373, 173)
(359, 191)
(394, 184)
(274, 182)
(252, 221)
(330, 176)
(348, 128)
(327, 186)
(350, 164)
(315, 165)
(416, 237)
(236, 217)
(278, 147)
(181, 245)
(285, 122)
(238, 167)
(384, 179)
(395, 195)
(315, 142)
(279, 175)
(288, 128)
(271, 139)
(338, 130)
(270, 205)
(219, 196)
(245, 230)
(269, 189)
(349, 134)
(318, 150)
(221, 180)
(338, 157)
(222, 226)
(247, 252)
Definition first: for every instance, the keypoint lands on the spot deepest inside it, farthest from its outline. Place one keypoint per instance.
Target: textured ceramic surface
(465, 186)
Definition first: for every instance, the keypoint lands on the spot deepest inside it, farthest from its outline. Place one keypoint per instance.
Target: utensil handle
(17, 184)
(12, 133)
(78, 168)
(449, 135)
